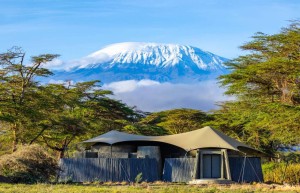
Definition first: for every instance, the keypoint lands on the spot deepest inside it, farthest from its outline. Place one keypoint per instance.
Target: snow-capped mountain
(135, 60)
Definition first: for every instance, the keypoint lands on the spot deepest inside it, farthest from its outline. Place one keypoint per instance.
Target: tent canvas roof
(206, 137)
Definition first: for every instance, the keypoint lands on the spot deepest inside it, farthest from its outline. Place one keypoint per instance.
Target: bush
(29, 164)
(139, 178)
(281, 172)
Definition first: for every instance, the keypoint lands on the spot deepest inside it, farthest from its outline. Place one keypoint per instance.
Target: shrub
(281, 172)
(29, 164)
(138, 178)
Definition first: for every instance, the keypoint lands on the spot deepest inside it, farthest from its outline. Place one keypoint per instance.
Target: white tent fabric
(206, 137)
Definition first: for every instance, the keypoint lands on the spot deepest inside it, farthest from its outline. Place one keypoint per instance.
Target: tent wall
(175, 169)
(179, 169)
(108, 169)
(252, 169)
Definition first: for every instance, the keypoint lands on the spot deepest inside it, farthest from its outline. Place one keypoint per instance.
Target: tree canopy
(54, 115)
(177, 120)
(266, 86)
(18, 90)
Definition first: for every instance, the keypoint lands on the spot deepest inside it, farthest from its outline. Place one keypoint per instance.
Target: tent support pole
(227, 167)
(242, 170)
(196, 167)
(110, 150)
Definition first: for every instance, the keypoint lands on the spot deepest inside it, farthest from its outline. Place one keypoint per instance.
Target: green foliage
(271, 70)
(5, 139)
(18, 91)
(290, 157)
(266, 126)
(266, 87)
(78, 111)
(54, 115)
(282, 172)
(177, 120)
(29, 164)
(139, 178)
(144, 129)
(149, 188)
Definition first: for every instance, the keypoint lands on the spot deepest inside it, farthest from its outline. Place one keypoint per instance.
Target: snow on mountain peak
(160, 55)
(138, 61)
(117, 48)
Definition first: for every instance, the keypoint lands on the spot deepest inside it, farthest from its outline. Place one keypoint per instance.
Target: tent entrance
(211, 165)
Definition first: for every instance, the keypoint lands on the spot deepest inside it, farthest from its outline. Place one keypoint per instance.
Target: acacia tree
(270, 71)
(266, 84)
(74, 112)
(55, 114)
(176, 121)
(18, 89)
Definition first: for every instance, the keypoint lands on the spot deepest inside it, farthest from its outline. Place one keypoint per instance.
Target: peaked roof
(206, 137)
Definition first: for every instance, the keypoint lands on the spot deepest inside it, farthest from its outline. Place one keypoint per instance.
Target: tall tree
(18, 89)
(74, 112)
(56, 115)
(266, 84)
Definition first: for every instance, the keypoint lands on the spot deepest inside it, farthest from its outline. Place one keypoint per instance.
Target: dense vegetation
(280, 172)
(29, 164)
(169, 122)
(266, 86)
(53, 115)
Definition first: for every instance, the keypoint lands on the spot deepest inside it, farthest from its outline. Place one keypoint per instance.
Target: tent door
(211, 165)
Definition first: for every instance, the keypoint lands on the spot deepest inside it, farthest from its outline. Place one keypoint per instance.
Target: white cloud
(152, 96)
(58, 64)
(52, 81)
(90, 60)
(54, 64)
(64, 82)
(129, 85)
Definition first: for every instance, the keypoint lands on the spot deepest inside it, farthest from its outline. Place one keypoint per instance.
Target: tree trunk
(61, 154)
(15, 139)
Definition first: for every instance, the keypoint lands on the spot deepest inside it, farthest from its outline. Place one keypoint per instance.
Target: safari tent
(201, 156)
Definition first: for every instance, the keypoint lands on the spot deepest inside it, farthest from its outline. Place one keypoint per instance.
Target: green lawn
(162, 188)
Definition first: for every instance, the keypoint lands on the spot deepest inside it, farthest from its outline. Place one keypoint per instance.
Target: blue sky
(75, 28)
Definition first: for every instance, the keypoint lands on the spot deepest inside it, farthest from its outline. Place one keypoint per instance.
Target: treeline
(53, 115)
(266, 86)
(265, 113)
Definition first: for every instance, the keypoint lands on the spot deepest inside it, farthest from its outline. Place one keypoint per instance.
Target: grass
(143, 188)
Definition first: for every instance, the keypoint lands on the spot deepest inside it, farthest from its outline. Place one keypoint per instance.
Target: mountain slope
(134, 60)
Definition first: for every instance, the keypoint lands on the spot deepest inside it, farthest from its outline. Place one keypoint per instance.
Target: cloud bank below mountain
(152, 96)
